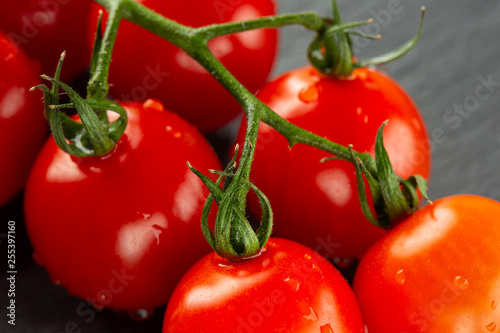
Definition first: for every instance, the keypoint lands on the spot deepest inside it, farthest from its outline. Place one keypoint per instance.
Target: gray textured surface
(460, 44)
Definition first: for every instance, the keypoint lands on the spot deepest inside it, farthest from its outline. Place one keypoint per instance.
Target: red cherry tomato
(121, 230)
(287, 288)
(438, 271)
(317, 203)
(45, 28)
(22, 124)
(157, 69)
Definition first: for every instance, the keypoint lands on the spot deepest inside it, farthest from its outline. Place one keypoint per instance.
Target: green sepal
(398, 52)
(266, 223)
(97, 135)
(395, 202)
(420, 183)
(362, 34)
(410, 193)
(373, 183)
(363, 199)
(344, 65)
(97, 45)
(233, 237)
(117, 127)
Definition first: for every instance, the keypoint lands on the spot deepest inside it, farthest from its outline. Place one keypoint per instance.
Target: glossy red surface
(146, 66)
(287, 288)
(438, 271)
(22, 125)
(45, 28)
(121, 230)
(315, 203)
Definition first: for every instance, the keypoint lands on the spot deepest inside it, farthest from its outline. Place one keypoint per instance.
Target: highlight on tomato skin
(163, 71)
(315, 201)
(438, 271)
(287, 288)
(120, 230)
(23, 128)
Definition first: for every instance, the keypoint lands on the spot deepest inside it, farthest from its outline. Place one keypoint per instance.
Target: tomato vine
(330, 52)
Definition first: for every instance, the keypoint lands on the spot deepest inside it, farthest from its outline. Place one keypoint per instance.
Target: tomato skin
(45, 28)
(121, 230)
(438, 271)
(162, 71)
(287, 288)
(317, 203)
(22, 125)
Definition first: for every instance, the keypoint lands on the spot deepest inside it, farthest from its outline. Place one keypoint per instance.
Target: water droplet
(365, 119)
(309, 94)
(307, 311)
(169, 128)
(308, 257)
(326, 328)
(153, 104)
(358, 111)
(266, 263)
(400, 276)
(103, 298)
(491, 327)
(37, 259)
(493, 305)
(461, 282)
(157, 230)
(140, 314)
(293, 283)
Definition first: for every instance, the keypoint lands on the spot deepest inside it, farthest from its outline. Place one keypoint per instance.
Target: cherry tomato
(438, 271)
(156, 69)
(287, 288)
(22, 124)
(121, 230)
(317, 203)
(45, 28)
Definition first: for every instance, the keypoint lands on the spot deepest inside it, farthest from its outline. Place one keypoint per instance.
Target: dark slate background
(460, 47)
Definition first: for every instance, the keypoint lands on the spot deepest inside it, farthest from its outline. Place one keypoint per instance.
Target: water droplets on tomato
(153, 104)
(326, 328)
(103, 298)
(140, 314)
(307, 311)
(461, 282)
(309, 94)
(157, 230)
(400, 277)
(491, 327)
(294, 284)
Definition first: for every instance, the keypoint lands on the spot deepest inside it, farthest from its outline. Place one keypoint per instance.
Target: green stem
(98, 85)
(233, 237)
(295, 134)
(308, 20)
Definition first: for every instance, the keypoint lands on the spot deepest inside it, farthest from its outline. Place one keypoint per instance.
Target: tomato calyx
(94, 135)
(331, 51)
(393, 197)
(233, 237)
